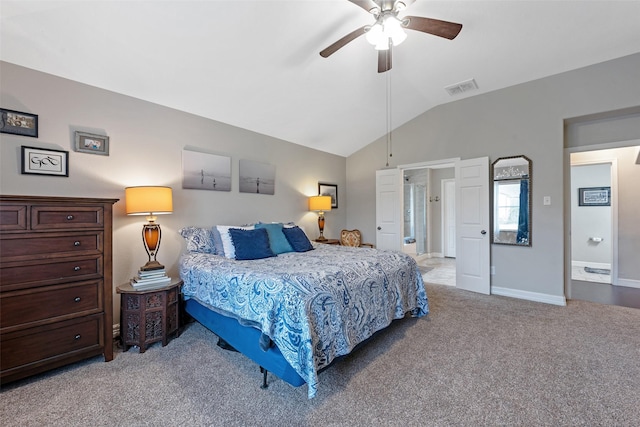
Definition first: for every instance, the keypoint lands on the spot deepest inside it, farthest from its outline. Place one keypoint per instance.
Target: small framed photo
(92, 144)
(594, 196)
(329, 190)
(18, 123)
(42, 161)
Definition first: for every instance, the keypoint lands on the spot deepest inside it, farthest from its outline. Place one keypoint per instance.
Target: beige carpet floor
(476, 361)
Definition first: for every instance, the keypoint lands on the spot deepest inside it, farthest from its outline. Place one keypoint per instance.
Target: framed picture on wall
(41, 161)
(256, 177)
(92, 144)
(18, 123)
(594, 196)
(205, 171)
(329, 190)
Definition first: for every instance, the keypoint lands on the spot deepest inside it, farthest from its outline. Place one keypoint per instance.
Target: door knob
(483, 232)
(379, 228)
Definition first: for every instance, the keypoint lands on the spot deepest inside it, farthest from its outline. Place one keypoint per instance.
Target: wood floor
(444, 272)
(605, 294)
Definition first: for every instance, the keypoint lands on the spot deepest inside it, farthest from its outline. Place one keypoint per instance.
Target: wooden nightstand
(329, 241)
(149, 315)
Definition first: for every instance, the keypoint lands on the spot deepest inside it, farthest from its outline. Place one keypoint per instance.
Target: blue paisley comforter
(316, 305)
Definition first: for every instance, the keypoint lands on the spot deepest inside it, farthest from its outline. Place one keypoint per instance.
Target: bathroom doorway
(615, 279)
(429, 220)
(592, 225)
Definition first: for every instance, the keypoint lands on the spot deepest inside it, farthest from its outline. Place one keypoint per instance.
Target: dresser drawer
(49, 303)
(29, 246)
(13, 217)
(50, 341)
(61, 217)
(17, 275)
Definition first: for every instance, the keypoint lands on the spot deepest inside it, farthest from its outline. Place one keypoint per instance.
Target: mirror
(512, 201)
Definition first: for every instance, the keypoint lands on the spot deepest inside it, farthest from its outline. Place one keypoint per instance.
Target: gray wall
(146, 147)
(524, 119)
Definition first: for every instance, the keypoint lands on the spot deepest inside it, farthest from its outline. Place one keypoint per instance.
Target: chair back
(350, 238)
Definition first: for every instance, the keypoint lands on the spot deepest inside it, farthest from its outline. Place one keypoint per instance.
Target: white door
(472, 225)
(388, 209)
(449, 217)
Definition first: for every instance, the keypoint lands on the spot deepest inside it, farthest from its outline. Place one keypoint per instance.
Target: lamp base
(152, 265)
(321, 239)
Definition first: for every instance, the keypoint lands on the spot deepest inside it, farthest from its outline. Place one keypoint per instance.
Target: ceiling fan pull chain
(389, 139)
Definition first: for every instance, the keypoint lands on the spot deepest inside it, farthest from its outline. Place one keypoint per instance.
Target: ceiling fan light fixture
(392, 28)
(385, 30)
(374, 34)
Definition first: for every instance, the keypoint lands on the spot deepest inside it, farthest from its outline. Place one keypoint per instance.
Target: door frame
(447, 196)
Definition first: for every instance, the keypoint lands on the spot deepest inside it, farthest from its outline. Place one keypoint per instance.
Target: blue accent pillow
(298, 240)
(277, 240)
(251, 244)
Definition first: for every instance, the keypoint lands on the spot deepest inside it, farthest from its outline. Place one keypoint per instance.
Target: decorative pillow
(277, 240)
(198, 239)
(217, 241)
(227, 243)
(251, 244)
(298, 240)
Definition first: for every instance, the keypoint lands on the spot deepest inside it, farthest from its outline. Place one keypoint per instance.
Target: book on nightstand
(150, 279)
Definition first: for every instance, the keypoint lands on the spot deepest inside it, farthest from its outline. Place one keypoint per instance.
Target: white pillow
(227, 243)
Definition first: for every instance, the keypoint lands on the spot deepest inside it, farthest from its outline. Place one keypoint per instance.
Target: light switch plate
(546, 200)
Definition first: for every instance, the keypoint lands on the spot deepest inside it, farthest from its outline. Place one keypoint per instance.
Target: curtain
(523, 214)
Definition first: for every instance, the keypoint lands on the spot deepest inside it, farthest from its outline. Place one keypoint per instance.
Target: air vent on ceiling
(461, 87)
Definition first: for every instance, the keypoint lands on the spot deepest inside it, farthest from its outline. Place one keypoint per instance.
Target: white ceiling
(255, 64)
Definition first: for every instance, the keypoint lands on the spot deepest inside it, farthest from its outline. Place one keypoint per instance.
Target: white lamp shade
(148, 200)
(320, 203)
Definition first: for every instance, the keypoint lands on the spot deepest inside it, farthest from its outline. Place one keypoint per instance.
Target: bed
(297, 311)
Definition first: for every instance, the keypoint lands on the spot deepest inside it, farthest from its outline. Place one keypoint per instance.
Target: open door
(388, 209)
(472, 225)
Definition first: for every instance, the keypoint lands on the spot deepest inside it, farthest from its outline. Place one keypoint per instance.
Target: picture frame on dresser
(18, 123)
(44, 161)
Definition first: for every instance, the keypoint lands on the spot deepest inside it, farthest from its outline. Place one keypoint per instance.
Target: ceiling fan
(388, 30)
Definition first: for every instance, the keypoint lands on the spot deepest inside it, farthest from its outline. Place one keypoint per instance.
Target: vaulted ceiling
(256, 64)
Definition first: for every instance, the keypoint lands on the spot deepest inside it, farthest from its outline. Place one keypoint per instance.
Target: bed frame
(245, 340)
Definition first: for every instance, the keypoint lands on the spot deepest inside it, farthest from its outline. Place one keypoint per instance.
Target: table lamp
(150, 201)
(320, 204)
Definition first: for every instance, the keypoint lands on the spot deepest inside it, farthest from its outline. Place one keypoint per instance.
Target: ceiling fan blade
(365, 4)
(448, 30)
(325, 53)
(384, 60)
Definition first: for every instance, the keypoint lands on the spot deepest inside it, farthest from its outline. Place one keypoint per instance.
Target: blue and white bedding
(315, 305)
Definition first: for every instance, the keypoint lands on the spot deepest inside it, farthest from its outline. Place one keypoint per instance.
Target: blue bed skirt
(246, 340)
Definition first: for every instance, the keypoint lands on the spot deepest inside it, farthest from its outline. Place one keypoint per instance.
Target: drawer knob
(77, 337)
(76, 268)
(76, 243)
(69, 217)
(77, 299)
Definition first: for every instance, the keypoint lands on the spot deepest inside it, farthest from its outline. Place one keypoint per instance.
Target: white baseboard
(529, 296)
(582, 264)
(629, 283)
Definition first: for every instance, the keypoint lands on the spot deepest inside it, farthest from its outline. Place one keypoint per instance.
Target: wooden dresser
(55, 282)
